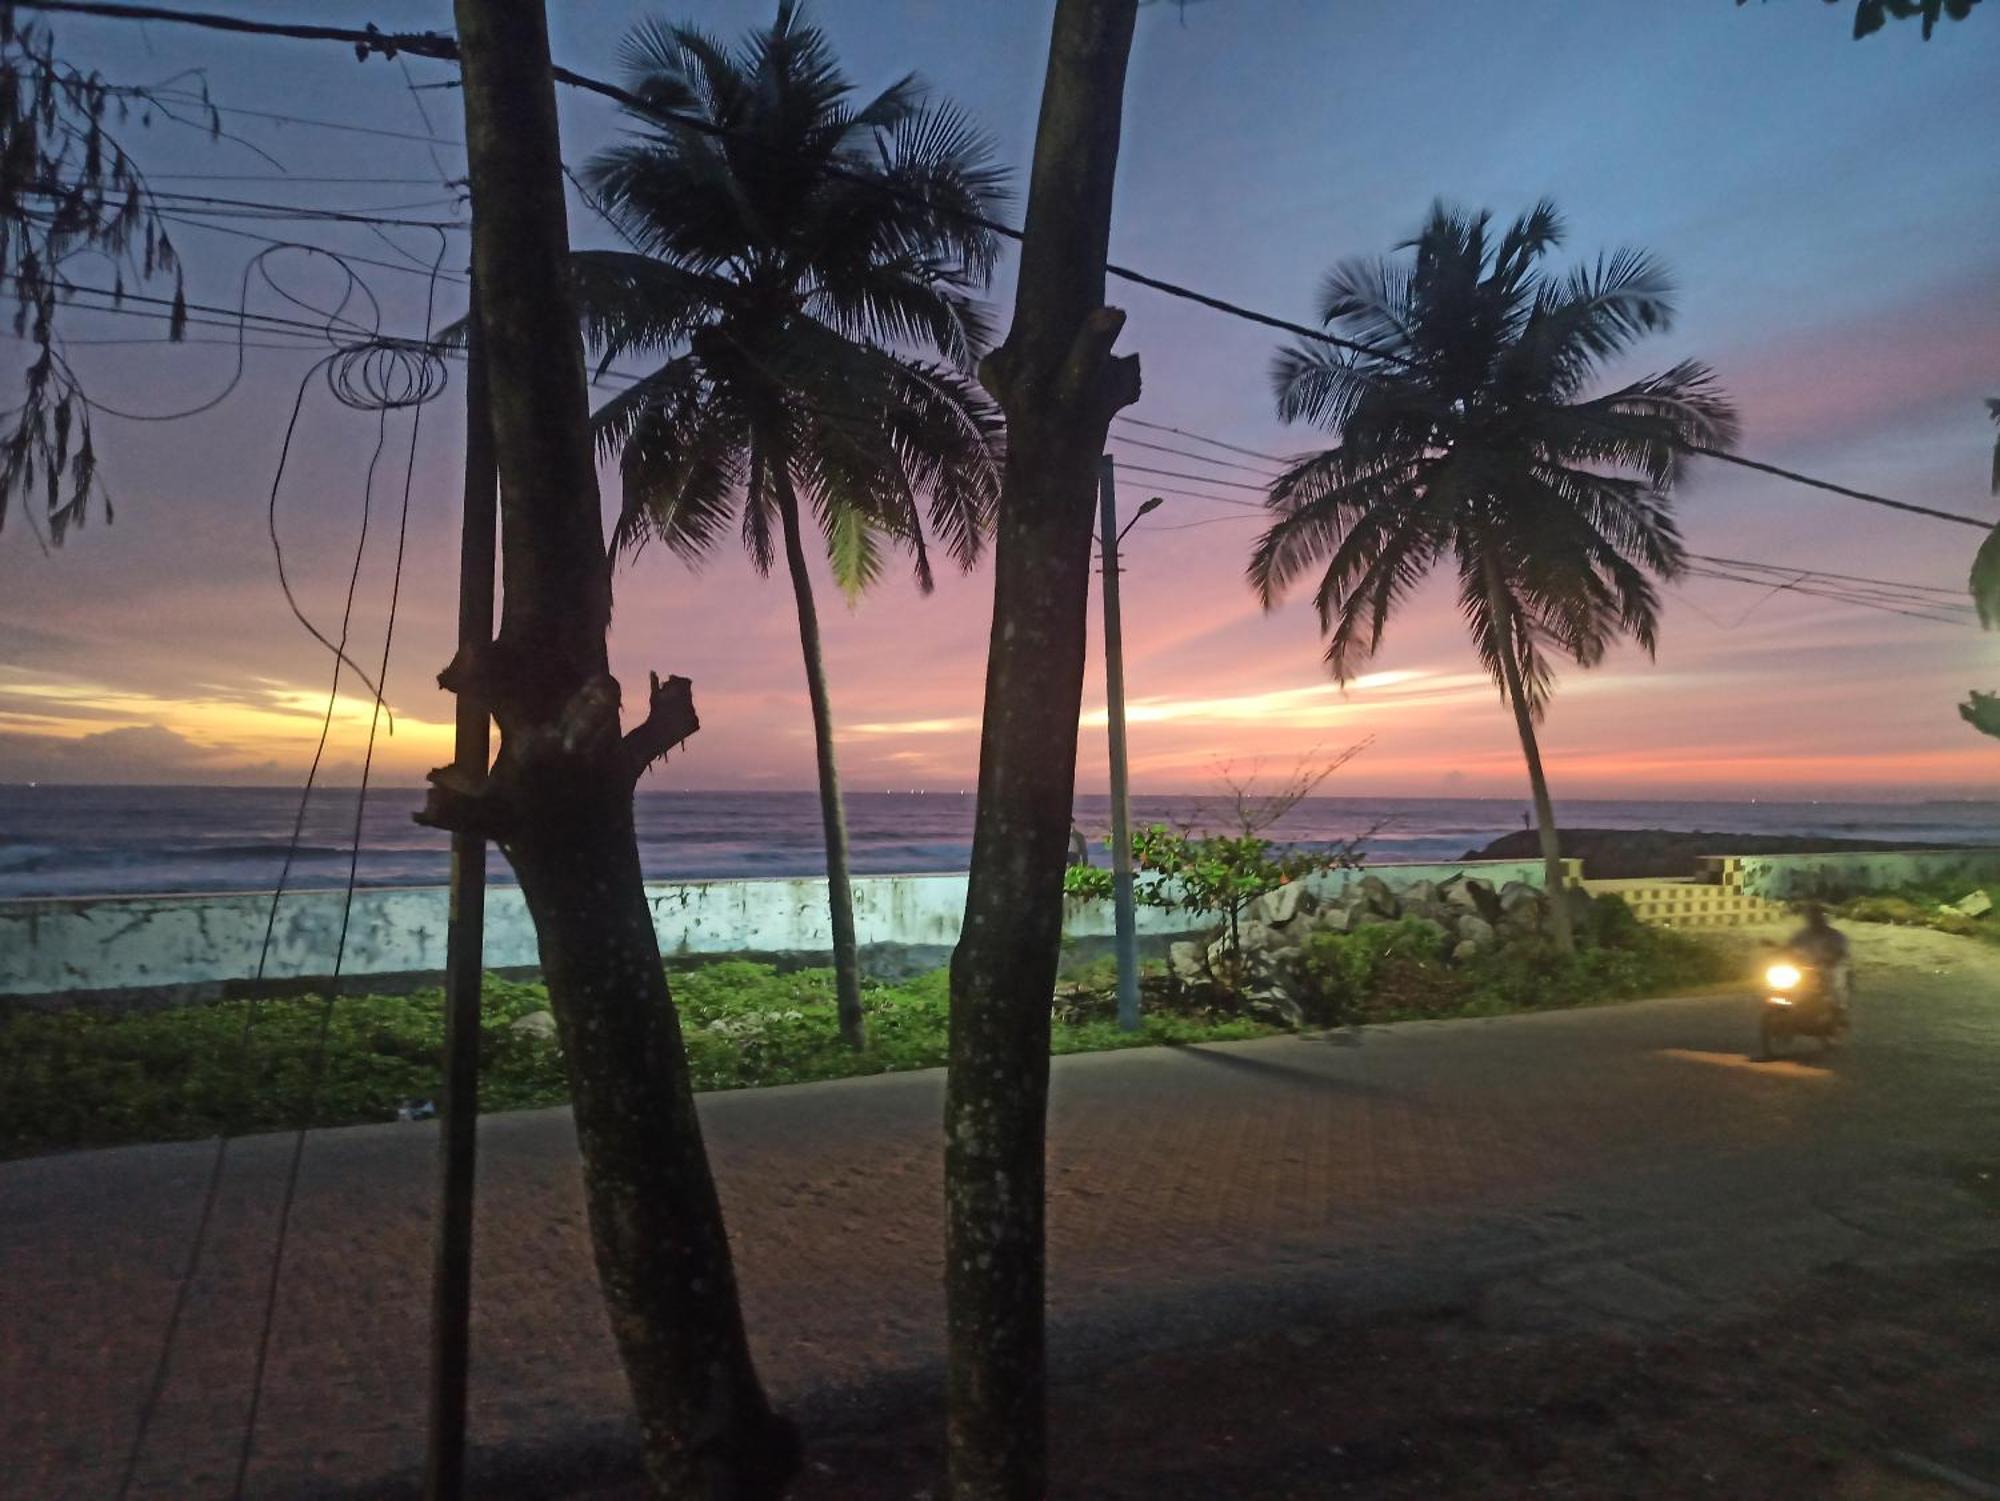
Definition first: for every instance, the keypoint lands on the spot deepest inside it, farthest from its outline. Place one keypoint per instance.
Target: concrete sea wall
(1786, 878)
(76, 950)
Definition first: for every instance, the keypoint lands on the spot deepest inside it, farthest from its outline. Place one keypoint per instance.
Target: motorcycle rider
(1824, 947)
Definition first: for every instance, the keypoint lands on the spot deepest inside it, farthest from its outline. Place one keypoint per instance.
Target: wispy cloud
(54, 721)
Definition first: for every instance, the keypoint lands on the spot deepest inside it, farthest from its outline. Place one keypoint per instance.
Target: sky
(1830, 210)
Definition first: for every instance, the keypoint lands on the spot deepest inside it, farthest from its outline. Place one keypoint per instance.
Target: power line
(445, 48)
(277, 243)
(1204, 479)
(1181, 432)
(232, 316)
(1953, 592)
(264, 209)
(1221, 500)
(292, 178)
(1802, 584)
(1189, 453)
(280, 118)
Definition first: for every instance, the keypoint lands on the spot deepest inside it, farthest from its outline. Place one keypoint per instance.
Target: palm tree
(1466, 436)
(806, 271)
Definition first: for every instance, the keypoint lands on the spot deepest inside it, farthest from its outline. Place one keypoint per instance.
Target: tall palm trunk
(833, 811)
(1059, 385)
(1554, 875)
(559, 801)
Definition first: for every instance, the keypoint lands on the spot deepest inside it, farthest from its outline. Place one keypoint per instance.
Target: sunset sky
(1831, 211)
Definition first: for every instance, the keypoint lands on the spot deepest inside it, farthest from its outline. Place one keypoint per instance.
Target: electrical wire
(1189, 453)
(1181, 432)
(156, 1386)
(373, 375)
(381, 376)
(1955, 591)
(445, 48)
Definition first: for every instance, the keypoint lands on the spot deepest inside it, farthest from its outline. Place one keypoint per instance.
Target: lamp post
(1125, 914)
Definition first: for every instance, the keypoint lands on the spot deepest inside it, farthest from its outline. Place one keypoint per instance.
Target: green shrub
(1609, 922)
(1349, 977)
(1399, 971)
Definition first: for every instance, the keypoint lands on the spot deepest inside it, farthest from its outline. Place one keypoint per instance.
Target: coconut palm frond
(631, 302)
(1369, 300)
(1476, 439)
(682, 473)
(674, 384)
(832, 318)
(908, 303)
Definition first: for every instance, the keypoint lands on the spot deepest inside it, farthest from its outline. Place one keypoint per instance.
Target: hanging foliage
(69, 195)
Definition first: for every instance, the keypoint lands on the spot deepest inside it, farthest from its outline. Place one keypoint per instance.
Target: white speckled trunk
(1059, 385)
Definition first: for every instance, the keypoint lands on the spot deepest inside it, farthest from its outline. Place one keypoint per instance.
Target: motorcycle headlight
(1782, 976)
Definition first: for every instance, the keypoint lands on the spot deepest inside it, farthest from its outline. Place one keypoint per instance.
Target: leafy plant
(1396, 971)
(1221, 874)
(68, 191)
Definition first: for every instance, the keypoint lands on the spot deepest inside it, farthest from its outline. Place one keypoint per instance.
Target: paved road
(1621, 1164)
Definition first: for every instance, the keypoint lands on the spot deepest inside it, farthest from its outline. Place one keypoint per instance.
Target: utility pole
(1125, 914)
(451, 1276)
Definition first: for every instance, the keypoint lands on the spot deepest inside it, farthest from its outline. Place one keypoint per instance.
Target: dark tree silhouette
(783, 298)
(1467, 439)
(559, 802)
(1870, 16)
(1059, 385)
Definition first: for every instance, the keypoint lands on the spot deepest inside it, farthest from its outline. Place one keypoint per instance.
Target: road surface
(1625, 1164)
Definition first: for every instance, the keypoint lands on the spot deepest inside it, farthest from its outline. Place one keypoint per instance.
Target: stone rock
(1186, 962)
(1253, 937)
(1477, 896)
(1465, 949)
(1366, 917)
(1276, 1000)
(1476, 931)
(1332, 919)
(540, 1024)
(1277, 907)
(1373, 892)
(1978, 904)
(1421, 894)
(1521, 905)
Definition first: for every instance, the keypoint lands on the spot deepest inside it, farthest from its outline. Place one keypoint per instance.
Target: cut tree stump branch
(670, 719)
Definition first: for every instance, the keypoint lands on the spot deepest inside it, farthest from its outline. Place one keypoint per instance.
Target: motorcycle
(1800, 1000)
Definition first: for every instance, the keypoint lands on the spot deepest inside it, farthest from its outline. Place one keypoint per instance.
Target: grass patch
(83, 1079)
(86, 1079)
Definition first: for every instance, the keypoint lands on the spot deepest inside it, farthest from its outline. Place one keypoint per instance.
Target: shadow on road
(1280, 1073)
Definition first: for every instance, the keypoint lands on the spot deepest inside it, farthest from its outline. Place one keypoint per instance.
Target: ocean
(101, 841)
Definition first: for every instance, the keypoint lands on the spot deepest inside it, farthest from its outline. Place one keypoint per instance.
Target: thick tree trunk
(833, 811)
(559, 802)
(1553, 874)
(1059, 386)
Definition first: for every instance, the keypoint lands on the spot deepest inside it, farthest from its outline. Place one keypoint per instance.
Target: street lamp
(1124, 908)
